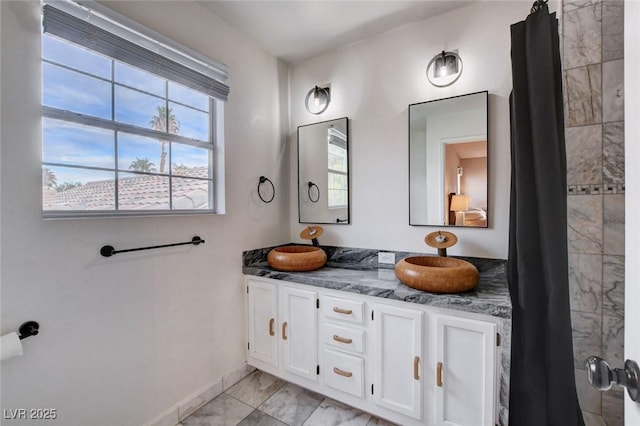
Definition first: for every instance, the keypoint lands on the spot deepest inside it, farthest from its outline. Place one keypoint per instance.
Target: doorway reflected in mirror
(448, 161)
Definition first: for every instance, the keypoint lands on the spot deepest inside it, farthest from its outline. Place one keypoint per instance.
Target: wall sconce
(317, 100)
(444, 69)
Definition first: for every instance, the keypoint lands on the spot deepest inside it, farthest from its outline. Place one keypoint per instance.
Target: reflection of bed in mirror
(474, 217)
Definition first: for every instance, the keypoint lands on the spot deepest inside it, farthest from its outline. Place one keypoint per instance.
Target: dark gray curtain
(543, 388)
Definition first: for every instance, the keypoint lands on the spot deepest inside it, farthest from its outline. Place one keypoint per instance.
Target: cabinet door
(465, 372)
(263, 322)
(398, 359)
(299, 332)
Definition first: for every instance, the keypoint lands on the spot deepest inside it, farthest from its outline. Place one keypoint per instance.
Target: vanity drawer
(343, 309)
(344, 372)
(344, 338)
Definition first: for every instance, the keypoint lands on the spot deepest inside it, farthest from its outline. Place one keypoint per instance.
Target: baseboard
(235, 375)
(192, 403)
(168, 418)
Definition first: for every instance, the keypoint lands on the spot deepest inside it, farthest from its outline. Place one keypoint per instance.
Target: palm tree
(49, 178)
(68, 185)
(142, 165)
(164, 121)
(179, 169)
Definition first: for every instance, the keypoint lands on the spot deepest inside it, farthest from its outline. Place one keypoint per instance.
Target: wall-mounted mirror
(323, 172)
(448, 161)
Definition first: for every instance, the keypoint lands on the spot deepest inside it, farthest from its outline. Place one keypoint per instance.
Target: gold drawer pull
(342, 372)
(271, 332)
(439, 374)
(342, 339)
(284, 330)
(342, 311)
(416, 364)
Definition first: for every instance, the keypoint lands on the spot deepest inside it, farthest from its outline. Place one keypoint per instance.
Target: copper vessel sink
(297, 258)
(437, 274)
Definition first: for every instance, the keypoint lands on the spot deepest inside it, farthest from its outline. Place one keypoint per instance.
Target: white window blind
(107, 42)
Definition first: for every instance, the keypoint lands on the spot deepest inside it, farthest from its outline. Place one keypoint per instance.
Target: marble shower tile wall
(583, 95)
(594, 128)
(583, 35)
(613, 152)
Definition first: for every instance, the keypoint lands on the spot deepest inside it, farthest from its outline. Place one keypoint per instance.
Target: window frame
(215, 144)
(330, 172)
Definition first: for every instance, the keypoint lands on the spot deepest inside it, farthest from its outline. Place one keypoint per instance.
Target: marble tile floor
(261, 399)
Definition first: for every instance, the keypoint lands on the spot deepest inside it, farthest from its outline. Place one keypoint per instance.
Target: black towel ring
(273, 189)
(311, 185)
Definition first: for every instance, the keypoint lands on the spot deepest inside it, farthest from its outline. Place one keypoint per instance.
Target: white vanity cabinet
(299, 331)
(412, 364)
(283, 330)
(465, 385)
(398, 359)
(343, 343)
(263, 322)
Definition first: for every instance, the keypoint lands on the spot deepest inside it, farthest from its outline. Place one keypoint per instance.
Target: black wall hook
(29, 328)
(264, 179)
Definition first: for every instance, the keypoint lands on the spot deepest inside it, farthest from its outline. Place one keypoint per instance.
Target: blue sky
(74, 144)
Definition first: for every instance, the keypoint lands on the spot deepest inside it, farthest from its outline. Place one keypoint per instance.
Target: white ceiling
(469, 149)
(298, 30)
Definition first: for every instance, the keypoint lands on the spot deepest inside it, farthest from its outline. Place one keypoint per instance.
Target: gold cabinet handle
(342, 339)
(271, 332)
(342, 311)
(439, 374)
(284, 330)
(416, 364)
(342, 372)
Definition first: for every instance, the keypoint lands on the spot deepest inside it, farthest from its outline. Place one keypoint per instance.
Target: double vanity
(353, 332)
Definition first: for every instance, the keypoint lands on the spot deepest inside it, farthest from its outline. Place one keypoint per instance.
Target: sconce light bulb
(316, 96)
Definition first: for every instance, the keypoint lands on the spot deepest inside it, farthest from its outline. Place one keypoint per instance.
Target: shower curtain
(542, 390)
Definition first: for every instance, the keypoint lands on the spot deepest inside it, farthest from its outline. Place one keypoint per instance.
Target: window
(126, 130)
(337, 169)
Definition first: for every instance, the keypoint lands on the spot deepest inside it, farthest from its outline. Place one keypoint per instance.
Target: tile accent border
(595, 189)
(174, 415)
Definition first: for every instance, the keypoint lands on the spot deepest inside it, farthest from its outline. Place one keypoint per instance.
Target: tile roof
(138, 192)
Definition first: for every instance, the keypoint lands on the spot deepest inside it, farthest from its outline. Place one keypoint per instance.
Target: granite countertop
(357, 271)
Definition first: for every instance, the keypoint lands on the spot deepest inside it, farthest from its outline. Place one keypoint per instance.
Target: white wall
(373, 82)
(473, 182)
(418, 165)
(125, 338)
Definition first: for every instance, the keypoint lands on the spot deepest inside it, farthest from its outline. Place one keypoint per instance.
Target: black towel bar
(108, 251)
